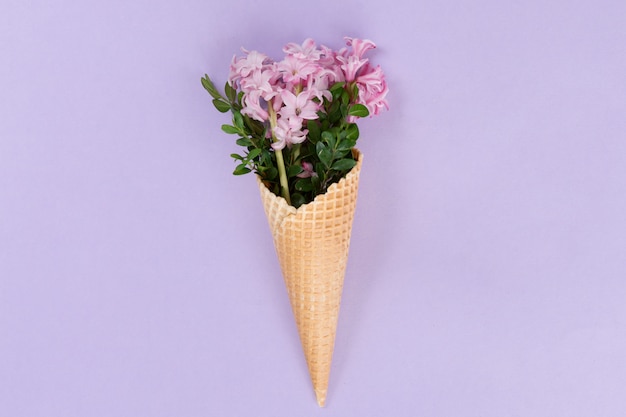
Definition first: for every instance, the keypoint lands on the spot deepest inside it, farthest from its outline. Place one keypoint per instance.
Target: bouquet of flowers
(295, 120)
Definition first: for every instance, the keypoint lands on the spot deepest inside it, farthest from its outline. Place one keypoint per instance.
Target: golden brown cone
(312, 246)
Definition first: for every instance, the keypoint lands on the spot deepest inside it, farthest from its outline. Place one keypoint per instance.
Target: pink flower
(241, 67)
(298, 107)
(359, 46)
(319, 84)
(350, 66)
(298, 87)
(353, 62)
(287, 133)
(261, 81)
(306, 51)
(295, 69)
(374, 102)
(252, 106)
(327, 57)
(373, 90)
(307, 171)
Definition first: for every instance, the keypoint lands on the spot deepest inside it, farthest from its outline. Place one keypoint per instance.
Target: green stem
(282, 174)
(280, 162)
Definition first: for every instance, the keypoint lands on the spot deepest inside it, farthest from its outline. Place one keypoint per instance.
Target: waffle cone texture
(312, 244)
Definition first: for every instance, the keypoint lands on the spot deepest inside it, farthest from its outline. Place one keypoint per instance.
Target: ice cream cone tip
(321, 397)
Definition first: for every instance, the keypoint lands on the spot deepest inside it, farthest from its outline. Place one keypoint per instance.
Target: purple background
(487, 272)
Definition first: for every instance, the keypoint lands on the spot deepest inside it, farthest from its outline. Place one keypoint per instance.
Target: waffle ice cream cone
(312, 247)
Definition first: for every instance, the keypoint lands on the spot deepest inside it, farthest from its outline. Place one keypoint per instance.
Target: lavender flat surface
(487, 272)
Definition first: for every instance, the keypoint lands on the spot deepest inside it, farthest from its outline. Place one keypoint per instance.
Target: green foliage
(358, 110)
(328, 147)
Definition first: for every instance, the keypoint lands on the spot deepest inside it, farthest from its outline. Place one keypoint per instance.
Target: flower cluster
(305, 107)
(286, 94)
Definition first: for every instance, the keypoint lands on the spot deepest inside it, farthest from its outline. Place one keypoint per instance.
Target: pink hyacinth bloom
(374, 101)
(319, 84)
(327, 57)
(305, 51)
(252, 106)
(259, 80)
(287, 134)
(372, 80)
(294, 69)
(277, 101)
(351, 66)
(253, 60)
(359, 46)
(298, 107)
(372, 91)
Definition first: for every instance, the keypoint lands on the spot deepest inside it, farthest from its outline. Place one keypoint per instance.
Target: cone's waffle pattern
(312, 247)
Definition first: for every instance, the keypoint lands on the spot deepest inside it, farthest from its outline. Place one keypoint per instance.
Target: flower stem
(282, 174)
(280, 162)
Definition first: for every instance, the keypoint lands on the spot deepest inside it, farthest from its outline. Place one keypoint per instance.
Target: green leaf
(346, 144)
(304, 184)
(294, 170)
(358, 110)
(337, 86)
(343, 164)
(231, 130)
(231, 93)
(254, 153)
(315, 181)
(253, 126)
(321, 173)
(342, 153)
(210, 87)
(266, 157)
(352, 132)
(221, 105)
(334, 112)
(271, 174)
(297, 200)
(337, 90)
(236, 156)
(241, 169)
(244, 142)
(345, 97)
(238, 120)
(314, 131)
(323, 154)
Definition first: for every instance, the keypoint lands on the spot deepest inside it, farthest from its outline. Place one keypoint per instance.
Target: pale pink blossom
(319, 84)
(351, 66)
(287, 134)
(373, 90)
(252, 106)
(327, 58)
(359, 46)
(307, 50)
(261, 81)
(294, 69)
(299, 106)
(242, 67)
(307, 170)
